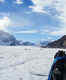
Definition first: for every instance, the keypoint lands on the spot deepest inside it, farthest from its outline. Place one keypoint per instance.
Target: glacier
(25, 62)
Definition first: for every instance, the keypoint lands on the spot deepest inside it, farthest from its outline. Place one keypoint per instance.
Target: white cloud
(27, 32)
(19, 2)
(54, 32)
(4, 22)
(59, 6)
(61, 31)
(47, 39)
(1, 1)
(37, 9)
(39, 5)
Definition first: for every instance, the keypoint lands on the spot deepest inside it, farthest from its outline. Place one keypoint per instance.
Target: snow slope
(25, 63)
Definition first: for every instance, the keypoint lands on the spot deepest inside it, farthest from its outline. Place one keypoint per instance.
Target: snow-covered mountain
(27, 43)
(60, 43)
(10, 40)
(44, 43)
(7, 39)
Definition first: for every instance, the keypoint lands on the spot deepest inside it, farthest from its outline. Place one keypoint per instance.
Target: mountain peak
(60, 43)
(64, 37)
(6, 38)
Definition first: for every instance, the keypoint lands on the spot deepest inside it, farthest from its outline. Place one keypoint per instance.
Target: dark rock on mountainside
(7, 39)
(60, 43)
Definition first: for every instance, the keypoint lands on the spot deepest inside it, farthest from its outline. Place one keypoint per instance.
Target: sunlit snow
(25, 63)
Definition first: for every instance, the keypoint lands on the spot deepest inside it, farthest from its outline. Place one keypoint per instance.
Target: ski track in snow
(25, 62)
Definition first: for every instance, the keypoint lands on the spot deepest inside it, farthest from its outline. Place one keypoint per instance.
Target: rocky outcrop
(60, 43)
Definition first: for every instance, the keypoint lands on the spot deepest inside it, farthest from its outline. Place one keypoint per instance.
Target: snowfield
(25, 62)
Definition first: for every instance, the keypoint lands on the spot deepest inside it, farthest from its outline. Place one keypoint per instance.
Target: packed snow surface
(25, 62)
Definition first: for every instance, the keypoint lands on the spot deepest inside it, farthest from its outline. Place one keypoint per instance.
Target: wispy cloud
(39, 5)
(47, 39)
(61, 31)
(37, 9)
(27, 32)
(4, 22)
(60, 7)
(19, 2)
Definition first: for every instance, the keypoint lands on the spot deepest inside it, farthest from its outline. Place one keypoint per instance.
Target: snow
(25, 62)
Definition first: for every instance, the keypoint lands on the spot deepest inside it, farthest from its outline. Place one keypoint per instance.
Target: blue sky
(33, 20)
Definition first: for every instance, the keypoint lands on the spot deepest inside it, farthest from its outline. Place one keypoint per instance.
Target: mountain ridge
(9, 40)
(60, 43)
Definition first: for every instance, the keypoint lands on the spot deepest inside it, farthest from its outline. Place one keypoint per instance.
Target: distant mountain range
(60, 43)
(7, 39)
(44, 43)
